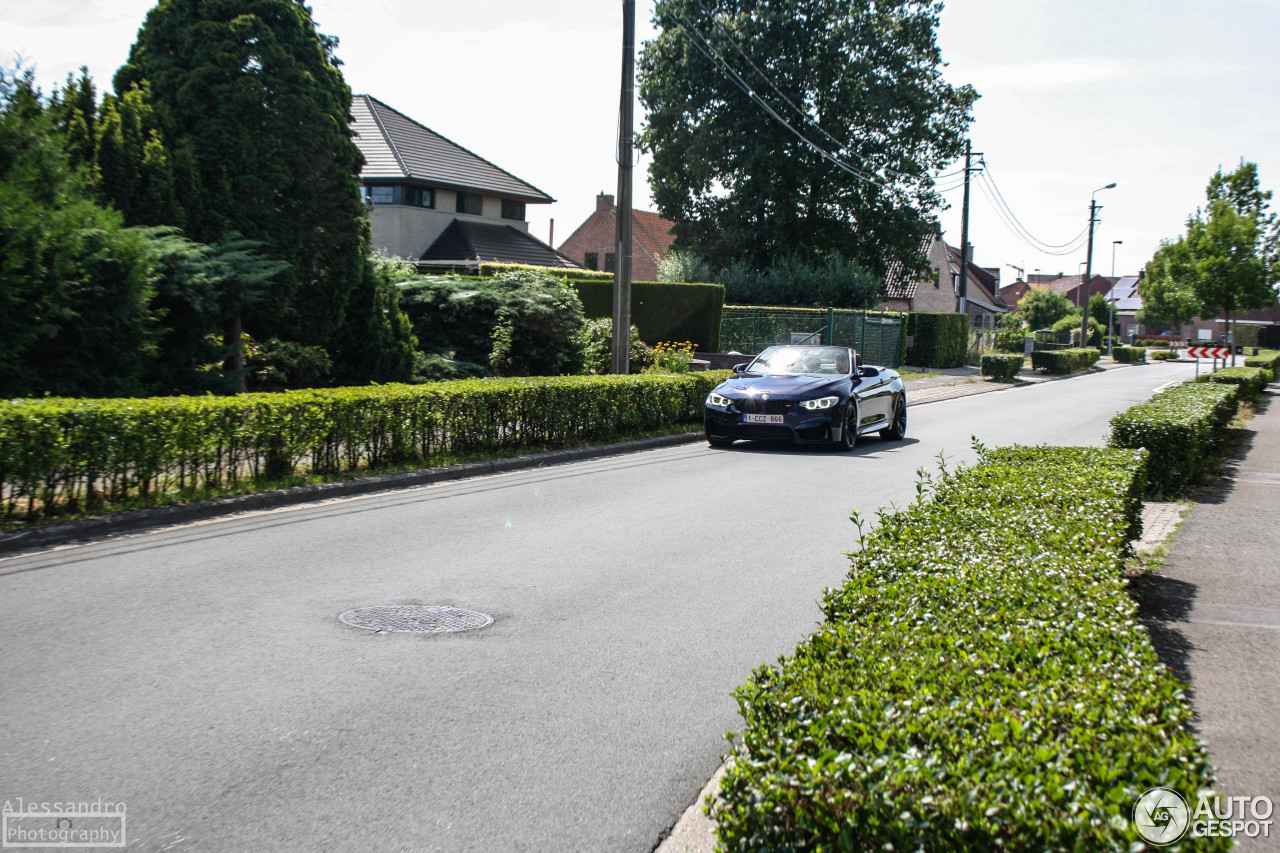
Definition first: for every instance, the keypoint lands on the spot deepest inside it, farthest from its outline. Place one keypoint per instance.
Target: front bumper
(800, 425)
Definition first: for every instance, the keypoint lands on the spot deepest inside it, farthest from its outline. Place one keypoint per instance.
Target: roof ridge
(448, 140)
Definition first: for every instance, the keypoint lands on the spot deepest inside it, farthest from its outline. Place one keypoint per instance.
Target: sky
(1153, 95)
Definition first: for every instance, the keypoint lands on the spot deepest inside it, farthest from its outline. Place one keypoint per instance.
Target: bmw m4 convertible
(809, 395)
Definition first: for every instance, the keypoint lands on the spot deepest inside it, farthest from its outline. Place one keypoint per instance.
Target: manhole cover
(415, 618)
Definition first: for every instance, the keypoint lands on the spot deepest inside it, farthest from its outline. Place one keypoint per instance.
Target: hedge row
(1183, 428)
(1270, 361)
(490, 270)
(1063, 361)
(937, 339)
(1129, 355)
(1002, 366)
(64, 455)
(663, 311)
(1164, 355)
(1251, 380)
(981, 681)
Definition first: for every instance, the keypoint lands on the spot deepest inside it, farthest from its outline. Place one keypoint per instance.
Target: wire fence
(877, 336)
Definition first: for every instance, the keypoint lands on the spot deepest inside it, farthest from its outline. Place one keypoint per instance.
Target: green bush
(1002, 366)
(60, 455)
(1064, 361)
(1183, 428)
(539, 330)
(1163, 355)
(491, 270)
(1252, 381)
(663, 311)
(981, 681)
(1129, 355)
(937, 339)
(1270, 362)
(802, 282)
(598, 348)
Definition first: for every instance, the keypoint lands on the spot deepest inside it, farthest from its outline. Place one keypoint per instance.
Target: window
(381, 195)
(610, 262)
(591, 260)
(419, 197)
(470, 203)
(512, 209)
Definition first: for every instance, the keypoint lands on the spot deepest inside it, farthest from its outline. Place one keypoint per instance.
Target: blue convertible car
(807, 394)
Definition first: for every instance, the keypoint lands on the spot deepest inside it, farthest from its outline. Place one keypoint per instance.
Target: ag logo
(1161, 816)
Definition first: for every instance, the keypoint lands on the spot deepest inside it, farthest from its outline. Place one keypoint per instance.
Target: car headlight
(714, 399)
(820, 403)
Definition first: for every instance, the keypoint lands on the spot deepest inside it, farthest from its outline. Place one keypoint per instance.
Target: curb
(131, 521)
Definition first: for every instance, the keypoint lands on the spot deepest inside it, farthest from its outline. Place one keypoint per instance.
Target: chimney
(604, 203)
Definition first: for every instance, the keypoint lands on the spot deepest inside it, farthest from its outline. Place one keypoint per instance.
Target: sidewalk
(1214, 616)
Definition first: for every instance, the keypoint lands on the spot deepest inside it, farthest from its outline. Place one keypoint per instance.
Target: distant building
(433, 201)
(941, 292)
(1073, 287)
(592, 244)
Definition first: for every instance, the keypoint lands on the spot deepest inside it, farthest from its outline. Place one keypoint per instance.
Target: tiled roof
(396, 147)
(897, 284)
(652, 232)
(466, 242)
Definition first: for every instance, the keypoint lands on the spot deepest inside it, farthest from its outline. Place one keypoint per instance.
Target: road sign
(1208, 352)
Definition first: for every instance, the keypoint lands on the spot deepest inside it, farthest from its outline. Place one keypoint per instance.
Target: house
(592, 244)
(941, 292)
(1126, 302)
(1012, 294)
(433, 201)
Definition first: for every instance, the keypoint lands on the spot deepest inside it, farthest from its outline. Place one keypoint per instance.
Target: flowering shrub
(671, 357)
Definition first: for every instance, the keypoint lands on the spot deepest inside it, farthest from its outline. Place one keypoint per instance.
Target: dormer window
(471, 203)
(512, 209)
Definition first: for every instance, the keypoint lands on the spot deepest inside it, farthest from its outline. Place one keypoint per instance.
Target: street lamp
(1088, 261)
(1111, 303)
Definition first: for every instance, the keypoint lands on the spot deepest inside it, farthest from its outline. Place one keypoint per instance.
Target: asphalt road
(200, 675)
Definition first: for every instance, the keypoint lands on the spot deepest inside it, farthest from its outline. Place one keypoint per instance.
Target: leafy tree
(540, 328)
(1225, 263)
(862, 81)
(75, 284)
(1043, 308)
(795, 280)
(256, 96)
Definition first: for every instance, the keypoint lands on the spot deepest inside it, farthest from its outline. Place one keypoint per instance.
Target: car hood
(781, 385)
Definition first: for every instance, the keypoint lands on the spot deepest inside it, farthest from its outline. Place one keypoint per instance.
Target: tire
(719, 442)
(897, 430)
(849, 435)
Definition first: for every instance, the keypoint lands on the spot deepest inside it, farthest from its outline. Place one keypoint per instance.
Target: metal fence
(1046, 340)
(878, 337)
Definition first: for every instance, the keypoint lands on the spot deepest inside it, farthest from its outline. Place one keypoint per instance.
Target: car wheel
(897, 430)
(719, 442)
(849, 435)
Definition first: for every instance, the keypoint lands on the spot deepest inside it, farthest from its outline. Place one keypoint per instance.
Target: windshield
(791, 361)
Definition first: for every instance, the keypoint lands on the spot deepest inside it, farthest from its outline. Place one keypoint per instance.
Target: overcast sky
(1151, 94)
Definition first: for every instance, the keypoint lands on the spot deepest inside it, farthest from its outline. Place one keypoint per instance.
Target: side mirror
(739, 368)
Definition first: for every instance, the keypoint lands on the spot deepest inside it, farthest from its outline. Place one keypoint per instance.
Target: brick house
(432, 201)
(592, 246)
(940, 293)
(1073, 287)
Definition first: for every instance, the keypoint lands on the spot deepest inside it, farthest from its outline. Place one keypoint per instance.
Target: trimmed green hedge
(1251, 380)
(981, 682)
(1184, 428)
(937, 340)
(1129, 355)
(663, 311)
(571, 273)
(1163, 355)
(1064, 361)
(1002, 366)
(1270, 362)
(62, 455)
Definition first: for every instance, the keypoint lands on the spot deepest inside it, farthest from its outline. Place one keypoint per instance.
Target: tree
(1043, 308)
(862, 81)
(1225, 263)
(256, 95)
(76, 284)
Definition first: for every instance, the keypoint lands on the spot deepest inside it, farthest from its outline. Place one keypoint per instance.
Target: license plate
(764, 419)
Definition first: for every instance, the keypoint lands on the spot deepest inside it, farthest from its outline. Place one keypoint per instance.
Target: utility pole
(1088, 266)
(964, 236)
(622, 266)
